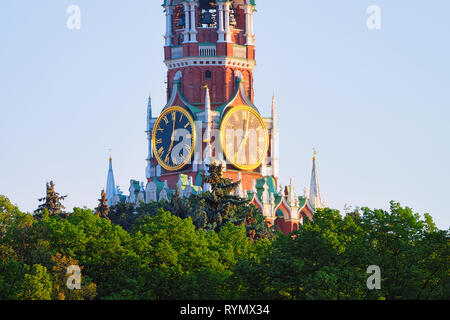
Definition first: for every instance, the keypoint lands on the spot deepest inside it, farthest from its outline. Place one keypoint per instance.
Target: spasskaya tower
(211, 117)
(210, 55)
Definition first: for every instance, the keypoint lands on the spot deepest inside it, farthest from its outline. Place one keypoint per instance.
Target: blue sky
(375, 103)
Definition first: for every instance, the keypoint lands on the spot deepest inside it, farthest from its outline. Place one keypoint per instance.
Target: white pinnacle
(207, 138)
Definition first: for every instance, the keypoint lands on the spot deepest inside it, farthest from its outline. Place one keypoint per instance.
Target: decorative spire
(275, 143)
(314, 191)
(208, 113)
(149, 170)
(111, 189)
(149, 113)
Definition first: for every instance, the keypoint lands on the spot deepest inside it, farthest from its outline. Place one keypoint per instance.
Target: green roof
(302, 202)
(136, 184)
(272, 189)
(279, 213)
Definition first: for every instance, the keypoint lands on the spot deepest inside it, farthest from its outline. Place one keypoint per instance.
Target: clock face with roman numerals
(174, 138)
(244, 138)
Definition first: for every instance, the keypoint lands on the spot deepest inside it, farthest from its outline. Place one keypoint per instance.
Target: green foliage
(12, 274)
(185, 262)
(412, 253)
(36, 285)
(328, 259)
(124, 215)
(162, 255)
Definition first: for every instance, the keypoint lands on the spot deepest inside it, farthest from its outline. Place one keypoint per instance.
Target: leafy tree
(103, 208)
(412, 253)
(328, 259)
(12, 274)
(51, 202)
(165, 256)
(37, 284)
(185, 262)
(102, 248)
(124, 215)
(11, 216)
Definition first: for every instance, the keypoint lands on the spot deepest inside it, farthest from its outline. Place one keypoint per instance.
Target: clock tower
(211, 116)
(210, 56)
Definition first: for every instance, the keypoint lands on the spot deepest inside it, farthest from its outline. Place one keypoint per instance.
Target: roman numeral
(166, 120)
(174, 116)
(161, 151)
(158, 141)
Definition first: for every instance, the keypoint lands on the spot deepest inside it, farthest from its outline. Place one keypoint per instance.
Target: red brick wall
(222, 85)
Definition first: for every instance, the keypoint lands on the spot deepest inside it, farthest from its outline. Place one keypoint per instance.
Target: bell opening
(207, 14)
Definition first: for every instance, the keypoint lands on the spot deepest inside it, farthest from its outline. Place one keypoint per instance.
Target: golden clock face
(174, 138)
(244, 138)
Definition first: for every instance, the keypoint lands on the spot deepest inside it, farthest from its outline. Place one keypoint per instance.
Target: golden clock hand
(244, 140)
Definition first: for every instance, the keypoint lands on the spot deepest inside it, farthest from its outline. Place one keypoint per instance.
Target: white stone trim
(193, 31)
(186, 23)
(249, 24)
(211, 62)
(168, 35)
(221, 30)
(226, 9)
